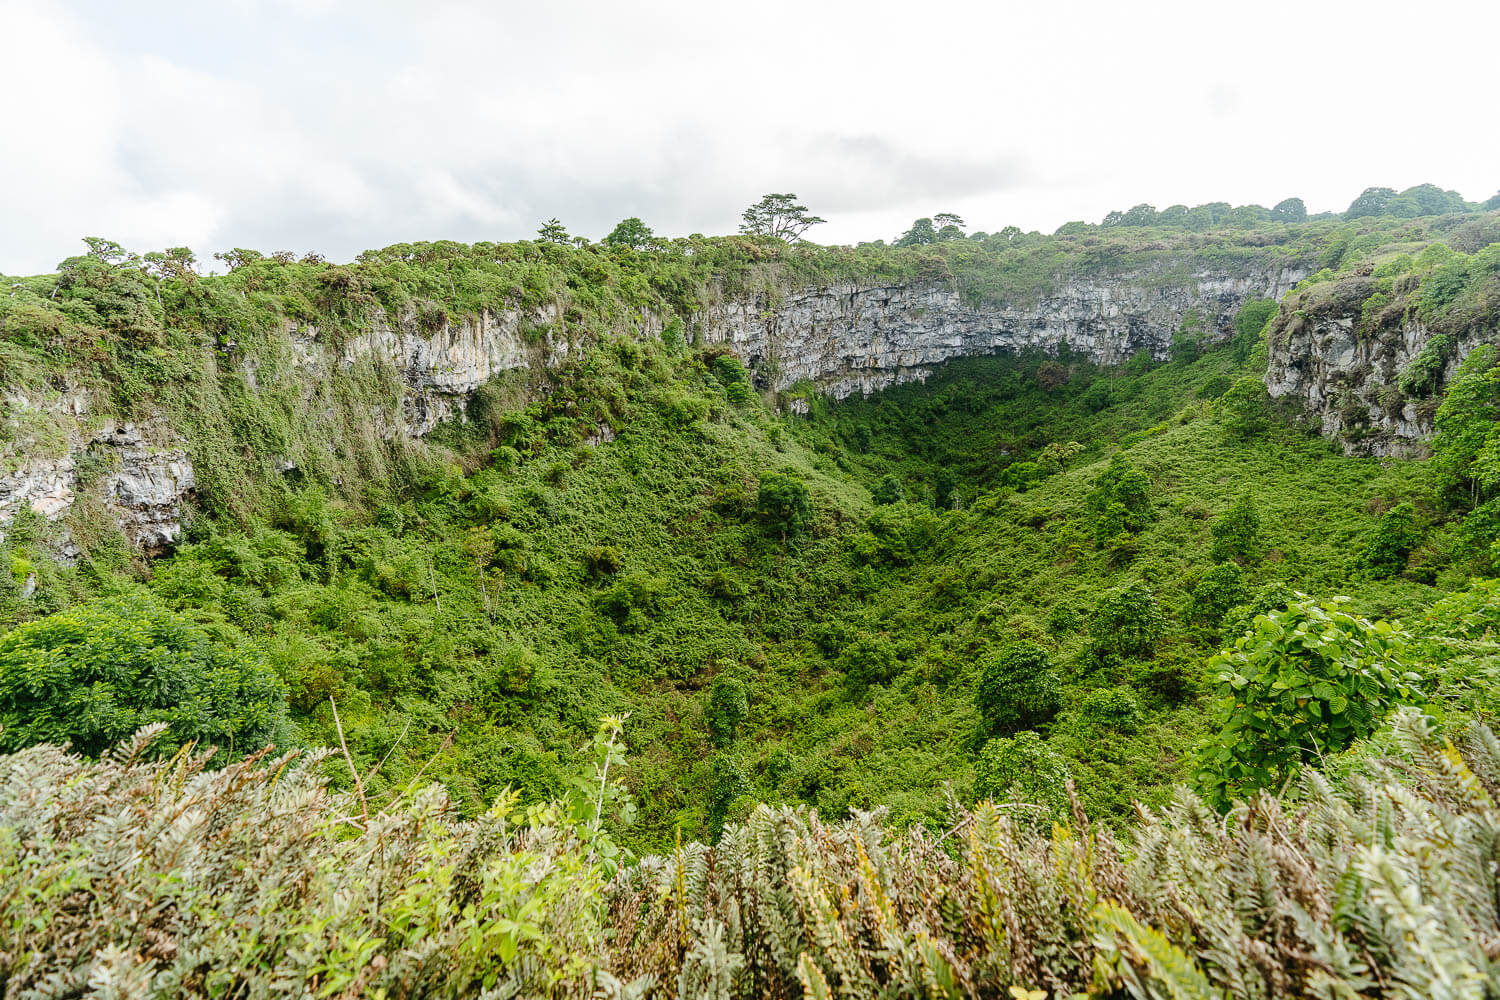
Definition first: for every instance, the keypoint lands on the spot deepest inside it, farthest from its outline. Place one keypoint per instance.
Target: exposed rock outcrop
(860, 338)
(58, 452)
(1344, 369)
(838, 339)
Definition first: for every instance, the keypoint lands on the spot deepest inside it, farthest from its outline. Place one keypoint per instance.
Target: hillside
(884, 533)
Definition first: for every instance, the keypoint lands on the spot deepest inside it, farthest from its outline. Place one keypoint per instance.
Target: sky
(342, 125)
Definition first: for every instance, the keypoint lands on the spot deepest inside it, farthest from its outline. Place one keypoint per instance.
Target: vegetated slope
(474, 630)
(1025, 556)
(127, 877)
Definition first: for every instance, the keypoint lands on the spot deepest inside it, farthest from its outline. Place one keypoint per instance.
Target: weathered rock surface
(838, 340)
(57, 451)
(1346, 378)
(860, 338)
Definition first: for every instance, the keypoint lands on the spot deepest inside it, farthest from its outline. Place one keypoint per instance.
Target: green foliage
(1111, 708)
(631, 232)
(1237, 533)
(1242, 410)
(1018, 689)
(1289, 210)
(1120, 502)
(522, 901)
(1421, 375)
(1249, 324)
(727, 708)
(778, 216)
(869, 659)
(1126, 622)
(93, 675)
(1302, 684)
(783, 502)
(888, 491)
(1022, 769)
(920, 233)
(1219, 589)
(1394, 539)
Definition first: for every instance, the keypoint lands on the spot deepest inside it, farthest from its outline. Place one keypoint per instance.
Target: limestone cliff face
(1343, 369)
(58, 452)
(859, 338)
(839, 339)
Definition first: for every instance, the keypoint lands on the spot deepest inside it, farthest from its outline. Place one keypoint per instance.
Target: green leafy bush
(91, 676)
(869, 659)
(1243, 409)
(1306, 682)
(1110, 708)
(1218, 590)
(1018, 689)
(1236, 533)
(1022, 769)
(1125, 623)
(1394, 539)
(783, 502)
(727, 708)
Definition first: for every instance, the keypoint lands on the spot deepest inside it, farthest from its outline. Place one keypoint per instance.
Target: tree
(783, 502)
(888, 490)
(1218, 590)
(631, 232)
(870, 659)
(1236, 533)
(1125, 623)
(1023, 769)
(1018, 689)
(1493, 203)
(1242, 409)
(1248, 324)
(174, 262)
(96, 673)
(778, 216)
(727, 708)
(1425, 199)
(553, 231)
(950, 226)
(920, 233)
(1290, 210)
(1372, 201)
(1306, 682)
(1394, 539)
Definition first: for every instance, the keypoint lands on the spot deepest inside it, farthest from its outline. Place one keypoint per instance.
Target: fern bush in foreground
(132, 877)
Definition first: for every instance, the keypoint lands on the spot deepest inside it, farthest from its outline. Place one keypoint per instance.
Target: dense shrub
(1242, 410)
(1218, 590)
(1022, 769)
(1305, 682)
(1125, 623)
(1395, 537)
(1236, 533)
(727, 708)
(1018, 689)
(93, 675)
(869, 659)
(783, 503)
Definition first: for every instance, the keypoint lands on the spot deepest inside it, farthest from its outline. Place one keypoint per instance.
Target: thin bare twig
(359, 786)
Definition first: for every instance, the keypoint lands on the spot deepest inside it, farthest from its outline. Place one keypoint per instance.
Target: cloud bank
(339, 125)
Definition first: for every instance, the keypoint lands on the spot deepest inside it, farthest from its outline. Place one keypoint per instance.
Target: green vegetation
(264, 881)
(93, 675)
(943, 602)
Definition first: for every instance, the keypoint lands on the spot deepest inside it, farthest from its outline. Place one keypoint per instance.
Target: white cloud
(338, 125)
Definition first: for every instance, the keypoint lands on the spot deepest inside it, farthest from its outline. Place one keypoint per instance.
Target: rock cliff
(837, 339)
(1369, 379)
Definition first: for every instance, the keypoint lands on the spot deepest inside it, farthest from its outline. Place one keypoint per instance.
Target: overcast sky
(338, 125)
